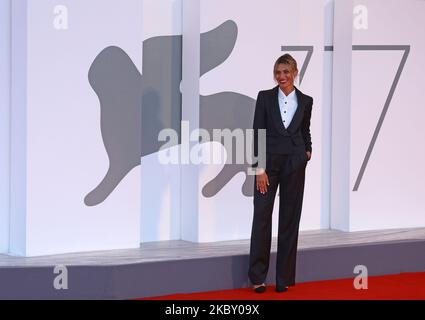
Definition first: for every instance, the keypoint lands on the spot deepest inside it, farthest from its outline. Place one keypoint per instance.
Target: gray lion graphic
(136, 106)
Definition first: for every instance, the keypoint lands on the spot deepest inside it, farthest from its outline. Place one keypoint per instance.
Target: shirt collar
(290, 96)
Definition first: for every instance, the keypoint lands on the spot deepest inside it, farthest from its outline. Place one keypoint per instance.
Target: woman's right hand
(262, 182)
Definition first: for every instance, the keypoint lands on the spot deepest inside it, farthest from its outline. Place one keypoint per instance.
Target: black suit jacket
(280, 140)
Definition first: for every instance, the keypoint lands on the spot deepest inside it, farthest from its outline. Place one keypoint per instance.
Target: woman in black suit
(285, 113)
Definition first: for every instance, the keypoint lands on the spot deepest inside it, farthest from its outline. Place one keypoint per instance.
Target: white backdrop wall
(61, 123)
(385, 132)
(4, 123)
(58, 154)
(392, 189)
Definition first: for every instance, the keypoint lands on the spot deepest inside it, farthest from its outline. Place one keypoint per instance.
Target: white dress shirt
(287, 105)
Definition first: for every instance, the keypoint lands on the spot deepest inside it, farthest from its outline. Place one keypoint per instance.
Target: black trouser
(288, 172)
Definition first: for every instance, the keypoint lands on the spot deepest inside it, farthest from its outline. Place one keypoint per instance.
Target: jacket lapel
(299, 113)
(275, 112)
(277, 117)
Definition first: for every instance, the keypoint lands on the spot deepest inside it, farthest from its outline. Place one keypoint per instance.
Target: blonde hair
(285, 59)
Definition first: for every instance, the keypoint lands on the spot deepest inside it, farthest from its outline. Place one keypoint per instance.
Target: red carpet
(405, 286)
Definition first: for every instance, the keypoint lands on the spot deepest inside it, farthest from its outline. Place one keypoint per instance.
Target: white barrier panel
(64, 105)
(4, 124)
(160, 185)
(385, 132)
(238, 47)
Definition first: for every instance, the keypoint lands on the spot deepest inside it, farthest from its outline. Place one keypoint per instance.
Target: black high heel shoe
(260, 288)
(281, 288)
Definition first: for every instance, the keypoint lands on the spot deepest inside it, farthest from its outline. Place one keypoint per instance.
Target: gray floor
(183, 250)
(164, 268)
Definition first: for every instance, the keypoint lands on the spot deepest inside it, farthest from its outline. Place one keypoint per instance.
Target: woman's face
(285, 76)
